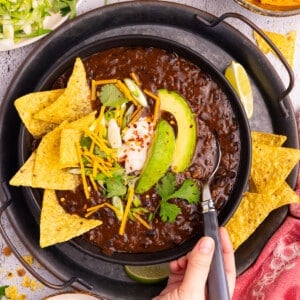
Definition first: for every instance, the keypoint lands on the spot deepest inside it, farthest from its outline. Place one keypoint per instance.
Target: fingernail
(206, 245)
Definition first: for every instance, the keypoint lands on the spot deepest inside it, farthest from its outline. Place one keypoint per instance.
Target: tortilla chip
(73, 103)
(68, 157)
(65, 227)
(28, 105)
(47, 173)
(271, 166)
(24, 175)
(268, 190)
(252, 211)
(82, 123)
(265, 138)
(285, 44)
(287, 195)
(70, 136)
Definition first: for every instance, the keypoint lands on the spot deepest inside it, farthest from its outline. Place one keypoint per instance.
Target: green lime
(238, 78)
(148, 274)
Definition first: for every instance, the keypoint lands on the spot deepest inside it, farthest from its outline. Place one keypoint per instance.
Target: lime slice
(148, 274)
(239, 80)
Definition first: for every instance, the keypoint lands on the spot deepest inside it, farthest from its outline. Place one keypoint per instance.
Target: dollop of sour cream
(136, 141)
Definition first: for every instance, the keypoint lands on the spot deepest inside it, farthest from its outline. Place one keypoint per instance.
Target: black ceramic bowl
(49, 72)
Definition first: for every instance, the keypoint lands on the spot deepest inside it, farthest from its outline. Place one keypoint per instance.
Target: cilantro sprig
(166, 188)
(110, 95)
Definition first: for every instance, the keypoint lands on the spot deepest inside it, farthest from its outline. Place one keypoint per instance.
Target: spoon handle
(217, 280)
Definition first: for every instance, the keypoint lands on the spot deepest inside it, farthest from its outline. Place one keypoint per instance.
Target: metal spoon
(217, 280)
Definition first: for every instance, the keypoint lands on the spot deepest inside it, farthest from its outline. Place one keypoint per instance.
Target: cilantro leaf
(85, 142)
(167, 185)
(115, 186)
(2, 291)
(110, 95)
(169, 211)
(189, 191)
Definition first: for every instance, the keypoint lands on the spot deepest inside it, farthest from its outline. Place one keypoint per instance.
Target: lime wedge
(239, 80)
(148, 274)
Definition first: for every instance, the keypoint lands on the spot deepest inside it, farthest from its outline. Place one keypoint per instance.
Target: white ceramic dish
(72, 296)
(51, 22)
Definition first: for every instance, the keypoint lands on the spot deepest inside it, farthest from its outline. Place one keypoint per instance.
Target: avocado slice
(185, 143)
(159, 159)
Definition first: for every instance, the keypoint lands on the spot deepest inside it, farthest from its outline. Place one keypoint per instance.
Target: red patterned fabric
(276, 273)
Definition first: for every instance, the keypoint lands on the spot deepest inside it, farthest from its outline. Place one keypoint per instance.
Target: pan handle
(4, 192)
(281, 57)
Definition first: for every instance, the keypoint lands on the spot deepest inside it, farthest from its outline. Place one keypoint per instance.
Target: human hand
(188, 274)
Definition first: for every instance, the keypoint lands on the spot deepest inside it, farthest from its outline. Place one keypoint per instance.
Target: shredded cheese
(84, 181)
(102, 143)
(98, 163)
(120, 116)
(93, 209)
(98, 126)
(127, 208)
(106, 81)
(141, 220)
(136, 115)
(93, 90)
(135, 78)
(157, 105)
(93, 182)
(123, 88)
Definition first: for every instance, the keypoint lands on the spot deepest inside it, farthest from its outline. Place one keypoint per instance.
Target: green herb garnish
(115, 186)
(188, 191)
(110, 95)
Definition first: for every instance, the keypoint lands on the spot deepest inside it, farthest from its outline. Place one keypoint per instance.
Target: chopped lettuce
(25, 18)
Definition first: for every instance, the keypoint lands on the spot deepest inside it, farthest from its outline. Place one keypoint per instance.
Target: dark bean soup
(159, 69)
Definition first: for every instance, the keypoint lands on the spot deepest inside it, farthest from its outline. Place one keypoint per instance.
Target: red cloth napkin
(275, 275)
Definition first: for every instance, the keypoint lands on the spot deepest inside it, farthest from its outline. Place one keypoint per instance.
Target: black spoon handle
(217, 280)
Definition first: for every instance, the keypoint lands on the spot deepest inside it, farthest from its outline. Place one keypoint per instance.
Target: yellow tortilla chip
(24, 175)
(57, 226)
(252, 211)
(271, 166)
(68, 157)
(268, 190)
(285, 43)
(83, 122)
(28, 105)
(70, 136)
(265, 138)
(47, 173)
(73, 103)
(287, 195)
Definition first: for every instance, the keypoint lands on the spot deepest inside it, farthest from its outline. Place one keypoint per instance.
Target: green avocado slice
(185, 143)
(159, 159)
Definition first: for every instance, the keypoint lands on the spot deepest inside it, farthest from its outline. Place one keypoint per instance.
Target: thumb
(199, 261)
